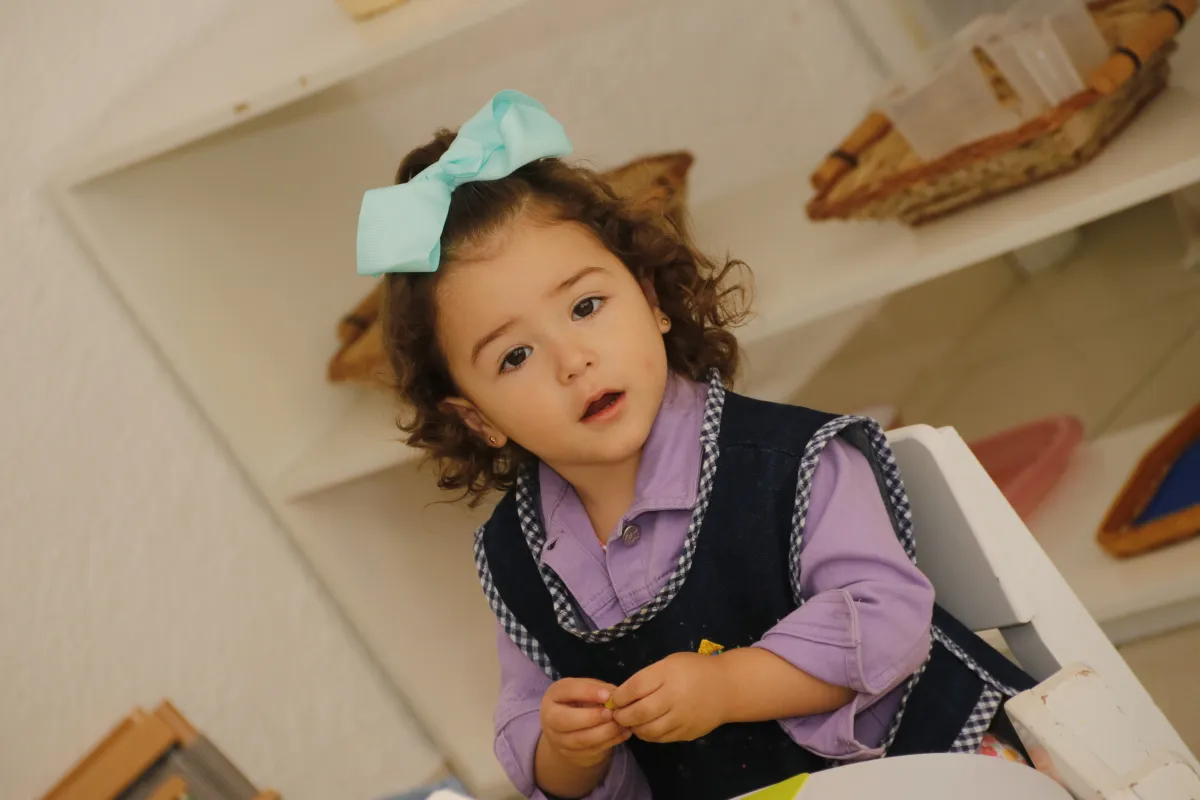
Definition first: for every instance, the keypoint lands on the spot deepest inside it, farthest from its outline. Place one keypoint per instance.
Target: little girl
(556, 345)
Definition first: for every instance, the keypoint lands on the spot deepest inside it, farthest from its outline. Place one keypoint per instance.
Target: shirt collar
(669, 472)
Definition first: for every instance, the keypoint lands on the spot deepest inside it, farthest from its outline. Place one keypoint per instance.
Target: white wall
(135, 562)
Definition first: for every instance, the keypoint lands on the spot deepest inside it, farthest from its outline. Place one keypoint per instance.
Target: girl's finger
(673, 735)
(643, 711)
(642, 684)
(609, 745)
(580, 691)
(593, 738)
(654, 731)
(568, 719)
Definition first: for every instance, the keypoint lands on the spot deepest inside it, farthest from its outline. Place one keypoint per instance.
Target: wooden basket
(875, 174)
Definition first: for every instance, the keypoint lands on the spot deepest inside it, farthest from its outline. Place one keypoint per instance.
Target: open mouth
(602, 406)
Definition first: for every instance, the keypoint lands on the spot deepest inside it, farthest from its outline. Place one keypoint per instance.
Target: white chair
(990, 573)
(1078, 734)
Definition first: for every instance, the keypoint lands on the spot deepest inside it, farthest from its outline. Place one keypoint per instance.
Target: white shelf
(853, 264)
(398, 559)
(267, 54)
(820, 268)
(1130, 598)
(363, 441)
(267, 282)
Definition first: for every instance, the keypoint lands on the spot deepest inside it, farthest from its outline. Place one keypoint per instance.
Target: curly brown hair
(693, 290)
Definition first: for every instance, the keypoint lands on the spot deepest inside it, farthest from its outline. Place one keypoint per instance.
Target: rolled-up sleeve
(865, 621)
(519, 727)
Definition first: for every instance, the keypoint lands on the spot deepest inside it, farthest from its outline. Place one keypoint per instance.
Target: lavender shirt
(864, 624)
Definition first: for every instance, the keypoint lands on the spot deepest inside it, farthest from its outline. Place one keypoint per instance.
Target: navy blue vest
(740, 583)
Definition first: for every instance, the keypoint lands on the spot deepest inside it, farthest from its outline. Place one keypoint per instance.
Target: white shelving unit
(221, 201)
(1132, 598)
(268, 54)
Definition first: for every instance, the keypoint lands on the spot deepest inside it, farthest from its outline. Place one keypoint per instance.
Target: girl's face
(554, 345)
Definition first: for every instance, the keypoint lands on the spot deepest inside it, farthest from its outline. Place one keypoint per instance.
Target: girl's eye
(586, 307)
(515, 358)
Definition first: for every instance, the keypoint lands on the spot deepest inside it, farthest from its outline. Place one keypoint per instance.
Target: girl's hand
(575, 723)
(679, 699)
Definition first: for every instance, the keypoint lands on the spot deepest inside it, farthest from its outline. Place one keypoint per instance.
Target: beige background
(135, 562)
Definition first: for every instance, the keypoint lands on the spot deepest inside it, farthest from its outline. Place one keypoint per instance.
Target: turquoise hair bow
(400, 227)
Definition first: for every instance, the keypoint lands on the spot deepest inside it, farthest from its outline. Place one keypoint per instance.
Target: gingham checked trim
(908, 690)
(961, 655)
(981, 717)
(535, 536)
(895, 498)
(977, 724)
(889, 474)
(993, 687)
(515, 630)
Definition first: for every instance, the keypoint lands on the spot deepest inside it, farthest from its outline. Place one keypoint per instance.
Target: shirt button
(631, 534)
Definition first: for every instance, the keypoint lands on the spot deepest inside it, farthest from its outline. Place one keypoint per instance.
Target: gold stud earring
(665, 320)
(492, 439)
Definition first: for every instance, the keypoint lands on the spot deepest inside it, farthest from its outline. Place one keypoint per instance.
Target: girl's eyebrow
(491, 337)
(574, 279)
(502, 329)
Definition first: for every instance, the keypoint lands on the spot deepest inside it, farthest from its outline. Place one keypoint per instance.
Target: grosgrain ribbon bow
(400, 227)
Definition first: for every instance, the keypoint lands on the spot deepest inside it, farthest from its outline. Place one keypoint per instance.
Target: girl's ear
(651, 295)
(474, 419)
(660, 318)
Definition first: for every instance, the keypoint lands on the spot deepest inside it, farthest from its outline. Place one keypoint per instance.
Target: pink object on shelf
(1027, 461)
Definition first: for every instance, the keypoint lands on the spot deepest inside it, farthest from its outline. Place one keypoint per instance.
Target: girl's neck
(606, 491)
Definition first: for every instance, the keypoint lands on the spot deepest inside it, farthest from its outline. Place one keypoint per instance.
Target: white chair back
(989, 572)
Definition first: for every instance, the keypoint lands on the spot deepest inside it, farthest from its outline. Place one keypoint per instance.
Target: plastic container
(1053, 44)
(955, 107)
(1031, 100)
(1027, 462)
(1044, 49)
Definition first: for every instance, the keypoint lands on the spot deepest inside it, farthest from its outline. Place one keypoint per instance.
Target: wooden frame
(126, 752)
(1119, 533)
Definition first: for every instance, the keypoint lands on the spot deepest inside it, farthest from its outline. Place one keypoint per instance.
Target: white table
(1130, 598)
